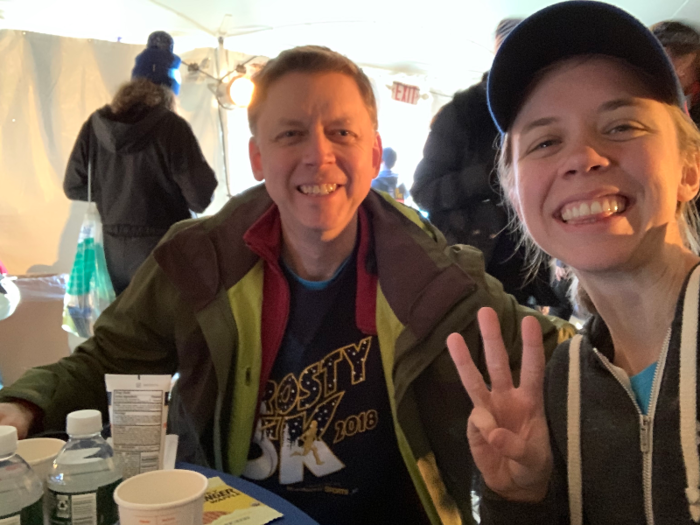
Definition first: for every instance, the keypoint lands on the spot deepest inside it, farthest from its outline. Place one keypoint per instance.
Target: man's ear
(690, 181)
(255, 159)
(377, 154)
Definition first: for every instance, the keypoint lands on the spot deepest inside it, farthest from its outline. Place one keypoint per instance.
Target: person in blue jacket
(387, 180)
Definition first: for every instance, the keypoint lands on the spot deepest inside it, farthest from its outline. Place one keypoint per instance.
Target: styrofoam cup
(40, 453)
(162, 497)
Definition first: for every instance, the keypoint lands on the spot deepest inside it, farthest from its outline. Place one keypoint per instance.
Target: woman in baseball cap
(601, 165)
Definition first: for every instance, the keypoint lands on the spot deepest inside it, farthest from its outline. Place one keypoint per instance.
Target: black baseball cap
(566, 29)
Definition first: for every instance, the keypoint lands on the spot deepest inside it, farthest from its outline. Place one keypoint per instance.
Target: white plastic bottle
(84, 475)
(21, 492)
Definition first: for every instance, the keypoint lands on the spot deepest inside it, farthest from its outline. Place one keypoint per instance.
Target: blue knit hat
(158, 63)
(566, 29)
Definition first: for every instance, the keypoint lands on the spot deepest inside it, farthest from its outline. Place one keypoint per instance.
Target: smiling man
(307, 320)
(316, 147)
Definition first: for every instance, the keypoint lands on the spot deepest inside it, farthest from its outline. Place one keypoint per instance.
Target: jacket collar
(407, 256)
(419, 280)
(264, 238)
(599, 335)
(209, 254)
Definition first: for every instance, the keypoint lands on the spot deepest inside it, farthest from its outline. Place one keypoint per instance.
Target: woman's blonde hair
(141, 91)
(687, 213)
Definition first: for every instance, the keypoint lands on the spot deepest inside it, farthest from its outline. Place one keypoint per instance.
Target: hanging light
(240, 91)
(234, 93)
(230, 91)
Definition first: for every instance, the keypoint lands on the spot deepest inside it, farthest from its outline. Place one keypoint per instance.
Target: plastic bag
(89, 289)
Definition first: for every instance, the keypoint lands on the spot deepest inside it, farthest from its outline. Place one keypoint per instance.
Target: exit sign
(405, 93)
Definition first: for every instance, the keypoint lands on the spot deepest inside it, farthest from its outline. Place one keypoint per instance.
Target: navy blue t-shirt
(325, 439)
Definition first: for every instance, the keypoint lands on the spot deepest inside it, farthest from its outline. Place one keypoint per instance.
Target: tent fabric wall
(48, 88)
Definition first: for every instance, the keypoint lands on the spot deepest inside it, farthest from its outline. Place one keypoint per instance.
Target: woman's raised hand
(507, 429)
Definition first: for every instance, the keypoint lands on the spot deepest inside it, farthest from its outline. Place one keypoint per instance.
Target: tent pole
(223, 117)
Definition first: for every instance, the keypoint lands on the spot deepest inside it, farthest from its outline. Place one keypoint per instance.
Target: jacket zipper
(646, 423)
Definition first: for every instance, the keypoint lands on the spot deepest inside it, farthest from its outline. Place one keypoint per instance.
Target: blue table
(292, 515)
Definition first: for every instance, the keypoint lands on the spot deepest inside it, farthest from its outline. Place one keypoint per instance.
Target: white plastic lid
(84, 422)
(8, 440)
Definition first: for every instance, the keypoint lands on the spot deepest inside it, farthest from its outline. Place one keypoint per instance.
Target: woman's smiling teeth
(593, 209)
(317, 189)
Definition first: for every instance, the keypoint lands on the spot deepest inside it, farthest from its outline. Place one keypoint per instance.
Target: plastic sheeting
(32, 335)
(42, 288)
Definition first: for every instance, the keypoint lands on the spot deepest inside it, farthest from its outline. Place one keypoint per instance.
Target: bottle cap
(8, 440)
(84, 422)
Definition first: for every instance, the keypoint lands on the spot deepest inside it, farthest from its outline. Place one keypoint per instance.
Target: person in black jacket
(147, 169)
(682, 44)
(456, 184)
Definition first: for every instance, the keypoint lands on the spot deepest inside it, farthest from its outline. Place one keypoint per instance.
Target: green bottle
(84, 475)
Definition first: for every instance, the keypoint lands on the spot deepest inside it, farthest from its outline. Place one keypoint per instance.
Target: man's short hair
(679, 39)
(389, 157)
(308, 59)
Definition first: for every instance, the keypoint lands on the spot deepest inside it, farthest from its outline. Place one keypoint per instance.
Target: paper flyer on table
(224, 505)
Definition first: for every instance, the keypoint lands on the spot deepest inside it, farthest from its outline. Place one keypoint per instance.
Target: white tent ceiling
(449, 39)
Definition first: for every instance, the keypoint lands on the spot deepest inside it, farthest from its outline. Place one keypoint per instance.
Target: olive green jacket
(195, 306)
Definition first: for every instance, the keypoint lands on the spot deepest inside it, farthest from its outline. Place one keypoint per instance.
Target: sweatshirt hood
(126, 134)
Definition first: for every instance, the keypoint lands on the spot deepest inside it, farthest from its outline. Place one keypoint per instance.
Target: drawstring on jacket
(688, 394)
(573, 430)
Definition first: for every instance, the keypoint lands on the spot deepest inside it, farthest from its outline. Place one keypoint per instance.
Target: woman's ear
(690, 180)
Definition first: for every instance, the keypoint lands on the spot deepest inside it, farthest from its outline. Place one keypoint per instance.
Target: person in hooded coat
(146, 168)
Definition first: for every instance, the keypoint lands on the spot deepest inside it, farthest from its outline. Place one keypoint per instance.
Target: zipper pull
(645, 433)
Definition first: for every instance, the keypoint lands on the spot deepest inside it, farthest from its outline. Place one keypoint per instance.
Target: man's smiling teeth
(581, 209)
(318, 189)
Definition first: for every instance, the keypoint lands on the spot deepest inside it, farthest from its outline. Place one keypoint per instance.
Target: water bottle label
(88, 508)
(30, 515)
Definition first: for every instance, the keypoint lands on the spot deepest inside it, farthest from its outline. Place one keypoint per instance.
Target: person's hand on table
(507, 430)
(20, 414)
